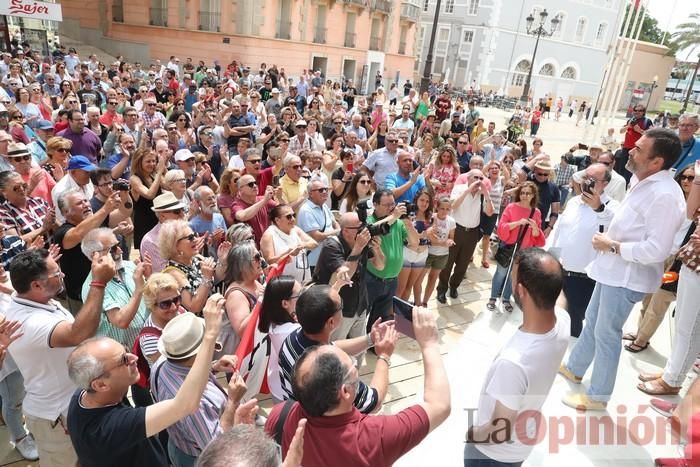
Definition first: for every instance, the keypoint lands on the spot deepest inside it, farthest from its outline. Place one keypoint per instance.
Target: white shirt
(65, 184)
(278, 333)
(617, 188)
(520, 378)
(43, 368)
(645, 225)
(572, 234)
(468, 213)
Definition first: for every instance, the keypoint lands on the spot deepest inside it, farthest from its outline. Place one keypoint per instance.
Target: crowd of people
(155, 217)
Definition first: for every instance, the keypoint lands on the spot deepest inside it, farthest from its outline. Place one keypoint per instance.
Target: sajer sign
(31, 9)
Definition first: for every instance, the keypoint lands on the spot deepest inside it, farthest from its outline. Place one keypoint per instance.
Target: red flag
(253, 351)
(636, 4)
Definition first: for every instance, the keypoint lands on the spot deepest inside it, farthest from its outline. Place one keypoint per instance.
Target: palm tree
(688, 36)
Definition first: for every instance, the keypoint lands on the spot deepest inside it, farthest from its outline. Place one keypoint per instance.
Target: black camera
(377, 230)
(410, 209)
(374, 229)
(120, 185)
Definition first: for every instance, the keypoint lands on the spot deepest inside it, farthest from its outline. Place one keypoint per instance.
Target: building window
(520, 73)
(560, 25)
(580, 30)
(601, 32)
(468, 36)
(426, 4)
(547, 70)
(569, 73)
(159, 13)
(443, 39)
(449, 6)
(209, 15)
(472, 7)
(118, 11)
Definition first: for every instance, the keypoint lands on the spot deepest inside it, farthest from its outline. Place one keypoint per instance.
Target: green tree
(687, 36)
(650, 27)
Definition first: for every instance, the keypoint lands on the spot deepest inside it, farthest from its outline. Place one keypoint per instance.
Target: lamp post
(427, 70)
(653, 85)
(537, 31)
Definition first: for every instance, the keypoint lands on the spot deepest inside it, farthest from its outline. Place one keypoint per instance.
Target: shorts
(488, 223)
(413, 259)
(436, 262)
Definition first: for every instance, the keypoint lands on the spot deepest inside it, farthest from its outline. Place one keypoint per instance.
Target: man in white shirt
(585, 214)
(466, 201)
(405, 123)
(50, 333)
(382, 162)
(77, 178)
(629, 264)
(522, 374)
(615, 189)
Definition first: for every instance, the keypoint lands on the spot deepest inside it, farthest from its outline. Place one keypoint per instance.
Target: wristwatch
(386, 359)
(613, 249)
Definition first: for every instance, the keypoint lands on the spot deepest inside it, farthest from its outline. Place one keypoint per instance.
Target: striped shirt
(24, 220)
(496, 195)
(192, 433)
(294, 345)
(563, 174)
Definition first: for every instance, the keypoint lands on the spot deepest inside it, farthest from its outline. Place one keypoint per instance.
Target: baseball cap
(44, 125)
(82, 163)
(183, 155)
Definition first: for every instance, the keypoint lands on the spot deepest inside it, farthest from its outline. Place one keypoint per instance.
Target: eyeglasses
(476, 177)
(58, 273)
(320, 190)
(526, 193)
(689, 178)
(251, 184)
(26, 157)
(17, 117)
(463, 142)
(19, 188)
(151, 105)
(123, 361)
(166, 304)
(112, 249)
(189, 237)
(289, 217)
(257, 257)
(392, 140)
(254, 161)
(112, 103)
(338, 123)
(296, 167)
(541, 174)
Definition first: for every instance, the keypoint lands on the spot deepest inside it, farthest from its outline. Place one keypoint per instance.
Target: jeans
(179, 458)
(599, 343)
(501, 283)
(474, 458)
(686, 344)
(380, 295)
(12, 394)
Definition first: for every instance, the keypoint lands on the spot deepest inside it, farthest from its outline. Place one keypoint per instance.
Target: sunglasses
(338, 123)
(151, 105)
(257, 257)
(190, 237)
(463, 142)
(290, 216)
(254, 161)
(251, 184)
(320, 190)
(112, 103)
(689, 178)
(17, 117)
(296, 167)
(476, 177)
(113, 249)
(541, 174)
(166, 304)
(123, 361)
(20, 188)
(283, 140)
(392, 140)
(26, 157)
(63, 150)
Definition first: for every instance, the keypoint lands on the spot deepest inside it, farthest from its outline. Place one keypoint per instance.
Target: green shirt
(117, 295)
(392, 247)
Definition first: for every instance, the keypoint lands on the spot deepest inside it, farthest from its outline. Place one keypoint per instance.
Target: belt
(380, 279)
(468, 229)
(576, 274)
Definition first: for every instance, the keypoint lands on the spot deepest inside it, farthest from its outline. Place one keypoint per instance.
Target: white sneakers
(27, 447)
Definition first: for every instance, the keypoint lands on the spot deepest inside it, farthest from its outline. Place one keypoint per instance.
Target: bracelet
(99, 284)
(386, 359)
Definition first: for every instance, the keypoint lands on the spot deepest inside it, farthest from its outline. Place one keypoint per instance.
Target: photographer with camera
(345, 256)
(407, 181)
(570, 239)
(119, 219)
(390, 221)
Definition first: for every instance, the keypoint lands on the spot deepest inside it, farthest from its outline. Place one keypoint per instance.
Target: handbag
(505, 252)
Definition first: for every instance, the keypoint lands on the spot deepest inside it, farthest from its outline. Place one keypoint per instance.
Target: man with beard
(208, 218)
(80, 220)
(522, 374)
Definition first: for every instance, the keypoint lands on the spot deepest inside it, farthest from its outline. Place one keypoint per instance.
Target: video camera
(374, 229)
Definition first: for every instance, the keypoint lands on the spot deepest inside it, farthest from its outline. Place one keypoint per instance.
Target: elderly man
(522, 374)
(252, 159)
(405, 122)
(301, 140)
(100, 422)
(237, 125)
(77, 178)
(79, 221)
(22, 215)
(49, 333)
(152, 119)
(208, 219)
(316, 219)
(407, 181)
(357, 128)
(167, 208)
(538, 170)
(294, 188)
(251, 208)
(629, 265)
(120, 160)
(338, 427)
(469, 198)
(570, 239)
(118, 220)
(616, 188)
(382, 162)
(84, 140)
(688, 125)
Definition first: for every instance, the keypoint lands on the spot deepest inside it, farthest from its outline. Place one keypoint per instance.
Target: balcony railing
(158, 16)
(374, 43)
(402, 48)
(284, 29)
(350, 39)
(209, 21)
(382, 5)
(118, 11)
(360, 3)
(320, 35)
(410, 12)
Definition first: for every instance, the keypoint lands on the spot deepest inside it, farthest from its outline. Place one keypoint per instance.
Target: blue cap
(82, 163)
(44, 125)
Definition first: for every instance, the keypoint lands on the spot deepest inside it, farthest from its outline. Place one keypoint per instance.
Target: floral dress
(446, 175)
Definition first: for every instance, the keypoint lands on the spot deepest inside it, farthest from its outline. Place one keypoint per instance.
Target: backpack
(142, 362)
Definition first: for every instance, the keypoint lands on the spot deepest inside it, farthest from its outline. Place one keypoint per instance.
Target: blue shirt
(314, 217)
(395, 180)
(690, 152)
(201, 225)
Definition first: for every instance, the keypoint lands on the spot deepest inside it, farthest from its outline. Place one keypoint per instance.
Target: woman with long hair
(488, 223)
(376, 141)
(521, 215)
(228, 189)
(30, 110)
(360, 192)
(313, 110)
(147, 172)
(443, 172)
(313, 132)
(413, 271)
(427, 153)
(185, 133)
(341, 179)
(422, 109)
(283, 238)
(278, 319)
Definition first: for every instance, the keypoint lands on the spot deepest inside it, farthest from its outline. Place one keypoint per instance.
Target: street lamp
(537, 31)
(653, 85)
(428, 68)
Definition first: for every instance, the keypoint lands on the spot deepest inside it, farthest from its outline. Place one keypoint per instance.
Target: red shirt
(536, 115)
(631, 136)
(260, 221)
(353, 439)
(263, 179)
(515, 212)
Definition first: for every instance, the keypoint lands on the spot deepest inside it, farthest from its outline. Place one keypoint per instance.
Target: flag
(253, 351)
(636, 4)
